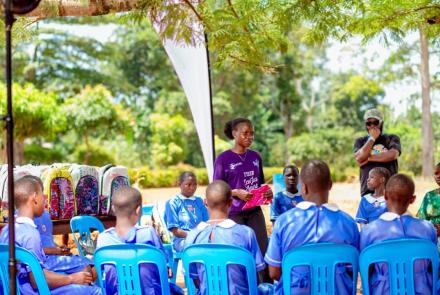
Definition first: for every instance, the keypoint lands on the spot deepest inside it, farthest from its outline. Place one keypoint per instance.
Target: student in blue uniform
(373, 205)
(311, 221)
(185, 211)
(58, 258)
(219, 229)
(289, 198)
(29, 201)
(397, 224)
(127, 206)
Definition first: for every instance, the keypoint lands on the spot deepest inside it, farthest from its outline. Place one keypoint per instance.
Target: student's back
(309, 224)
(230, 233)
(140, 235)
(391, 226)
(28, 237)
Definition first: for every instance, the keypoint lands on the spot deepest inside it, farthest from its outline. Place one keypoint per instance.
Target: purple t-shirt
(240, 172)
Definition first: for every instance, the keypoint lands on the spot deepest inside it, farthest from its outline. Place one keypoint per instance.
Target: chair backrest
(216, 258)
(82, 227)
(400, 256)
(25, 257)
(322, 259)
(127, 258)
(147, 211)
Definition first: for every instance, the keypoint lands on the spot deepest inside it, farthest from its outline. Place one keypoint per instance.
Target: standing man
(376, 149)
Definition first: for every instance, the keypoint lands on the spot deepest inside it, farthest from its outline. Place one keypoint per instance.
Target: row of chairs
(321, 259)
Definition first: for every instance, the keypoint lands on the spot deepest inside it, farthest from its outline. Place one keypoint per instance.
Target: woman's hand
(242, 194)
(268, 194)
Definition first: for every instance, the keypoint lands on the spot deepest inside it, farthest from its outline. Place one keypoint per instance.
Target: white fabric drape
(190, 63)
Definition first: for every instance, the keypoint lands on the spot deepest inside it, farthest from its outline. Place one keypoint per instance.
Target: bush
(95, 155)
(34, 153)
(334, 146)
(146, 177)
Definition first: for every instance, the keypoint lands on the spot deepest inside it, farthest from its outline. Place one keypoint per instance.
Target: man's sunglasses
(372, 123)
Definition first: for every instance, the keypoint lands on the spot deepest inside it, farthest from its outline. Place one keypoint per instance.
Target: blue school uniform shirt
(184, 213)
(282, 202)
(28, 237)
(148, 273)
(370, 208)
(230, 233)
(58, 263)
(310, 224)
(391, 226)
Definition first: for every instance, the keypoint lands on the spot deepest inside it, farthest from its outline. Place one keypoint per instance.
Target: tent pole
(210, 98)
(9, 20)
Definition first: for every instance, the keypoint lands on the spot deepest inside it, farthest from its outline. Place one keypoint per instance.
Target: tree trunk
(288, 132)
(54, 8)
(427, 136)
(18, 152)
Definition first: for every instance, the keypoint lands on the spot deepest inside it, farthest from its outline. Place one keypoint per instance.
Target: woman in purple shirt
(242, 169)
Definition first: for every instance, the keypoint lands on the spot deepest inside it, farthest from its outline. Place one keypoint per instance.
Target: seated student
(58, 258)
(430, 207)
(289, 198)
(373, 205)
(219, 229)
(185, 211)
(396, 224)
(127, 207)
(311, 221)
(29, 201)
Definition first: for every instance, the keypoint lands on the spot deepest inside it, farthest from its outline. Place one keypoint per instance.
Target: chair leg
(174, 268)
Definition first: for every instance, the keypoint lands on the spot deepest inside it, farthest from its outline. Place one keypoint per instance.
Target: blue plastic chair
(127, 258)
(322, 259)
(25, 257)
(400, 256)
(84, 225)
(173, 260)
(147, 210)
(216, 258)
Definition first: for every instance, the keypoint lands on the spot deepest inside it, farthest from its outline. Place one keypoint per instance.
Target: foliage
(36, 113)
(146, 177)
(92, 113)
(334, 146)
(95, 155)
(34, 153)
(168, 141)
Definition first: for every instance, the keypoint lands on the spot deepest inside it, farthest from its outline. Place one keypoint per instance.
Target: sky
(342, 57)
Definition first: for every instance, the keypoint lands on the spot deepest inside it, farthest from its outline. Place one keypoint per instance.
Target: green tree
(168, 141)
(36, 113)
(93, 114)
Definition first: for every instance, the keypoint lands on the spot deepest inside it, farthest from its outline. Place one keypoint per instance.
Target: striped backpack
(111, 179)
(58, 187)
(86, 188)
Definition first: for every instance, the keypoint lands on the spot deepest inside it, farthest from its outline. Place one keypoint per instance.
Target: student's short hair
(438, 165)
(316, 175)
(185, 175)
(232, 125)
(25, 187)
(400, 186)
(384, 172)
(293, 167)
(125, 201)
(218, 194)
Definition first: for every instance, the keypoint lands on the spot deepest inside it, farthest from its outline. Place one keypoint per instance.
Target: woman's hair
(186, 175)
(231, 125)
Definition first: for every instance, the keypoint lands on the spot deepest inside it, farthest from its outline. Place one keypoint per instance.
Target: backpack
(58, 187)
(111, 179)
(19, 172)
(86, 189)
